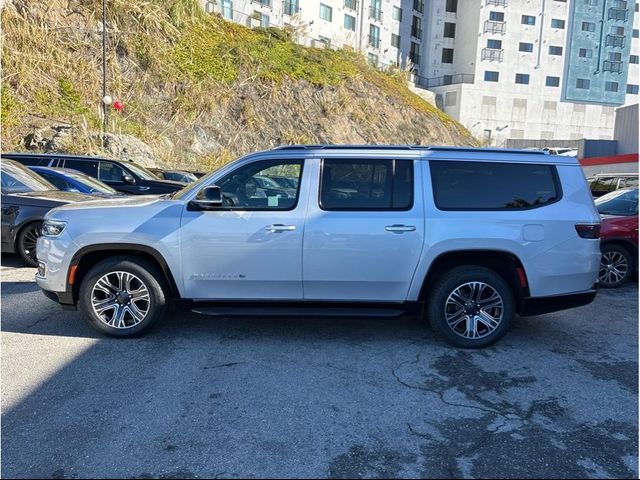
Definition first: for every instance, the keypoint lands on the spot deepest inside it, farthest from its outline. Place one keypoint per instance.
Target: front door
(364, 230)
(251, 247)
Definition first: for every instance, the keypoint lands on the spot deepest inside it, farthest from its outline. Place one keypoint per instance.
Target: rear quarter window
(461, 185)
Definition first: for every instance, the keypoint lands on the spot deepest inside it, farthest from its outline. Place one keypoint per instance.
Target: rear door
(364, 230)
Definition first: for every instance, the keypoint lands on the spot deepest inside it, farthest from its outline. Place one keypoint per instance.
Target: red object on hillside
(118, 105)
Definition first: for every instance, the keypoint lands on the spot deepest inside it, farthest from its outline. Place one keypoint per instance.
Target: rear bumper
(539, 305)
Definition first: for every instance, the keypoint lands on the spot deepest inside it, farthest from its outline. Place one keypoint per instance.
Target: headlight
(53, 228)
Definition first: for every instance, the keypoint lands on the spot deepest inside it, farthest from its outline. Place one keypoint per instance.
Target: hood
(123, 201)
(171, 185)
(52, 197)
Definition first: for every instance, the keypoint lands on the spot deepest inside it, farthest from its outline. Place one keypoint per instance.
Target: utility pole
(105, 100)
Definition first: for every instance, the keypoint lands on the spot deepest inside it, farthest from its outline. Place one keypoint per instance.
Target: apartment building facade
(546, 69)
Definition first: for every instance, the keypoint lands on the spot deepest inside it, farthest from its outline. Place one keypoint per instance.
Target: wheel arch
(504, 263)
(88, 256)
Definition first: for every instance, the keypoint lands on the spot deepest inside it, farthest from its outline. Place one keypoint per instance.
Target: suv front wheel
(122, 296)
(471, 307)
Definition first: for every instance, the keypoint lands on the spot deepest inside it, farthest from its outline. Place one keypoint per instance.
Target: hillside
(196, 89)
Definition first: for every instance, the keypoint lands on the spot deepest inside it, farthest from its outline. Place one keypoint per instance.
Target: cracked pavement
(308, 397)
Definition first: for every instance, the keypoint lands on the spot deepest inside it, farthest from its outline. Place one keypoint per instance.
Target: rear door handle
(400, 228)
(278, 227)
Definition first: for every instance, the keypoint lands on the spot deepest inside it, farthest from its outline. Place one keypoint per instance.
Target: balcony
(614, 66)
(351, 4)
(497, 3)
(416, 33)
(615, 41)
(442, 81)
(492, 26)
(374, 41)
(375, 13)
(618, 14)
(492, 54)
(290, 8)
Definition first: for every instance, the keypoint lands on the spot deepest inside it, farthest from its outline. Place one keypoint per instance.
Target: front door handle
(278, 227)
(400, 228)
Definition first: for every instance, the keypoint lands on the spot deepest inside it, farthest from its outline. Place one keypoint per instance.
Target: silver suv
(466, 237)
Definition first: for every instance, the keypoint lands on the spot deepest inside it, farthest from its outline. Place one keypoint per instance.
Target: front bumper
(539, 305)
(63, 298)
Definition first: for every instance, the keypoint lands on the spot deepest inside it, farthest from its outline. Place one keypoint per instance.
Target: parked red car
(618, 236)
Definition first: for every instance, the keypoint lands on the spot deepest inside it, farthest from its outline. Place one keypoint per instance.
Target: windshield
(17, 179)
(94, 185)
(621, 202)
(141, 171)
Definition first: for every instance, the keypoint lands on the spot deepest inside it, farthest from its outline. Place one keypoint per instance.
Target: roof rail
(408, 147)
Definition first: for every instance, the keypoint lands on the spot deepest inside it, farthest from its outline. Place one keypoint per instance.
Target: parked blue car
(74, 181)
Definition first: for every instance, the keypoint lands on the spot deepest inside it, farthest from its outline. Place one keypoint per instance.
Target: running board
(223, 311)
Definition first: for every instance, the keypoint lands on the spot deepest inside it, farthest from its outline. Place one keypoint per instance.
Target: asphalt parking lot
(305, 397)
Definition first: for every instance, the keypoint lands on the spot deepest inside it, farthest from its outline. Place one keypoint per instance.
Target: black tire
(616, 265)
(26, 242)
(459, 277)
(146, 274)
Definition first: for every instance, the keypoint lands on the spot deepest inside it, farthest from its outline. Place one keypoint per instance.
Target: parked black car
(124, 176)
(26, 198)
(175, 175)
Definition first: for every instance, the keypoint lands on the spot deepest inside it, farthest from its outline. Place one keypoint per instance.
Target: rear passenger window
(366, 185)
(493, 186)
(89, 167)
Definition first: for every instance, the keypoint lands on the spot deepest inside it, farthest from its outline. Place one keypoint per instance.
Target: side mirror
(126, 178)
(209, 198)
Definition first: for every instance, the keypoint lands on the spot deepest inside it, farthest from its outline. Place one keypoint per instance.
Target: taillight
(588, 230)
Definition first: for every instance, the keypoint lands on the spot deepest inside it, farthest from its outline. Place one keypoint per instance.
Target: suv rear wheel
(471, 307)
(122, 296)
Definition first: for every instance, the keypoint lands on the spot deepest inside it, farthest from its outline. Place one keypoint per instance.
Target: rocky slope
(197, 90)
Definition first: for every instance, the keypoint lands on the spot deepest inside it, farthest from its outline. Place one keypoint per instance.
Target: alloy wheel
(120, 299)
(613, 268)
(474, 310)
(30, 241)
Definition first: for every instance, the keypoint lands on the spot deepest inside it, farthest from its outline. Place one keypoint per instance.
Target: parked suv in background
(127, 177)
(470, 237)
(619, 236)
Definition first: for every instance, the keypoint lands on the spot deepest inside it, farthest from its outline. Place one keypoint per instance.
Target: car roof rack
(408, 147)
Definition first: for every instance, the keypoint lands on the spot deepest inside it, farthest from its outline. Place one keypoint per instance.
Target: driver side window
(251, 187)
(111, 172)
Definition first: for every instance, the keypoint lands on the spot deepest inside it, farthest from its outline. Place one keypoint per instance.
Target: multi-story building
(540, 69)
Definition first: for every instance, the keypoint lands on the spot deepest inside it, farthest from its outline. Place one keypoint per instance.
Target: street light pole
(105, 106)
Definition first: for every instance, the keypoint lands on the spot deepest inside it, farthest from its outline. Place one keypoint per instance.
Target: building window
(326, 12)
(635, 33)
(373, 59)
(583, 83)
(264, 19)
(557, 23)
(632, 89)
(611, 86)
(266, 3)
(449, 30)
(496, 16)
(374, 36)
(528, 20)
(325, 40)
(588, 27)
(555, 50)
(290, 7)
(418, 6)
(416, 28)
(227, 9)
(395, 40)
(451, 6)
(552, 81)
(350, 23)
(522, 78)
(495, 44)
(490, 76)
(615, 56)
(633, 59)
(350, 4)
(414, 53)
(526, 47)
(397, 13)
(447, 55)
(591, 3)
(585, 53)
(617, 31)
